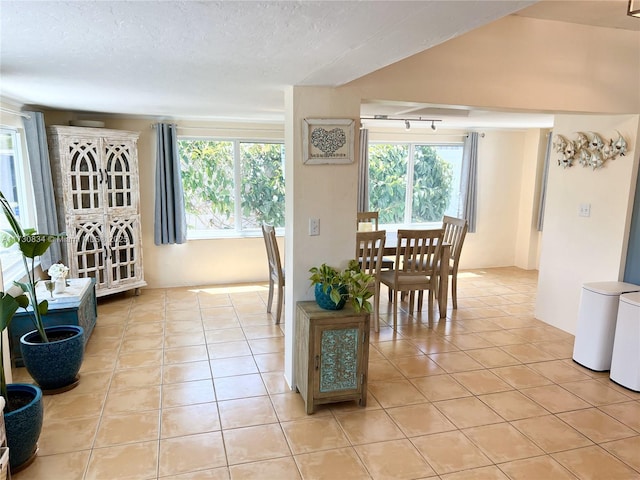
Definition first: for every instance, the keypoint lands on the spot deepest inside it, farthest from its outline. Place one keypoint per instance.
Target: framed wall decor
(327, 140)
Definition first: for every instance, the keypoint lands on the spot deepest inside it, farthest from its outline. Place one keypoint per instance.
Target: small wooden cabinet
(331, 355)
(76, 306)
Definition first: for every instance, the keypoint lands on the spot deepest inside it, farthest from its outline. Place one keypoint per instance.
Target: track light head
(433, 126)
(407, 125)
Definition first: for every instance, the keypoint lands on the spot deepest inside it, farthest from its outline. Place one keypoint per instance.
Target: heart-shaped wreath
(328, 141)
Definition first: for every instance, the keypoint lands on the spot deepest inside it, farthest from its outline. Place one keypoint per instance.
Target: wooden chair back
(418, 252)
(369, 251)
(276, 274)
(370, 217)
(455, 229)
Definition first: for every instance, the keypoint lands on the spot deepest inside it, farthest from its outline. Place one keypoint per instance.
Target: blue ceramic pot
(23, 425)
(324, 299)
(54, 365)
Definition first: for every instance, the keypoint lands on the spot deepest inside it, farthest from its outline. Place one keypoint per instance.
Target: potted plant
(23, 412)
(52, 355)
(333, 288)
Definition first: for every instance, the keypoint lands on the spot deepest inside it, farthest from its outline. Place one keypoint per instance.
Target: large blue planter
(23, 425)
(54, 365)
(324, 300)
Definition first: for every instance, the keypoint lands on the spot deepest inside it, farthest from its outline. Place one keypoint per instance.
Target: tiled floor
(187, 384)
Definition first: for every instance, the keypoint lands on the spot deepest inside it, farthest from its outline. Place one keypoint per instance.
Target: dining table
(391, 248)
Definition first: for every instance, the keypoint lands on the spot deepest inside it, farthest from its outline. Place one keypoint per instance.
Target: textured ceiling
(219, 60)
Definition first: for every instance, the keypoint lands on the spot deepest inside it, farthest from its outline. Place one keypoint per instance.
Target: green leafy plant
(8, 307)
(356, 282)
(31, 245)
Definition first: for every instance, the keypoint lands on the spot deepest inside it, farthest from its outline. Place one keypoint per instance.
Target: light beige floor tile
(184, 339)
(527, 353)
(130, 378)
(422, 419)
(481, 381)
(492, 357)
(102, 346)
(191, 453)
(536, 468)
(468, 341)
(596, 425)
(275, 382)
(191, 353)
(331, 465)
(482, 473)
(559, 371)
(468, 412)
(267, 345)
(186, 372)
(395, 393)
(68, 435)
(181, 328)
(595, 392)
(189, 419)
(594, 463)
(262, 331)
(395, 459)
(453, 362)
(314, 434)
(398, 348)
(277, 468)
(135, 343)
(269, 362)
(229, 349)
(512, 405)
(141, 332)
(92, 382)
(383, 370)
(224, 335)
(122, 401)
(627, 450)
(221, 473)
(434, 344)
(368, 426)
(440, 387)
(353, 405)
(128, 428)
(450, 452)
(555, 398)
(558, 349)
(290, 406)
(98, 363)
(253, 444)
(551, 434)
(417, 366)
(70, 466)
(245, 412)
(501, 442)
(187, 393)
(240, 386)
(521, 376)
(132, 461)
(143, 358)
(627, 413)
(229, 367)
(62, 407)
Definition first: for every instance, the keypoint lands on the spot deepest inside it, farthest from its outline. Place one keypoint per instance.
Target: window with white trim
(415, 183)
(231, 187)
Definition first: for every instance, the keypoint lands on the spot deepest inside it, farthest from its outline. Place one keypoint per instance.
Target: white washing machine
(596, 327)
(625, 362)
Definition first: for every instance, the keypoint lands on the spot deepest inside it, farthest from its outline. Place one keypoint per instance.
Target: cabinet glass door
(119, 174)
(90, 256)
(85, 175)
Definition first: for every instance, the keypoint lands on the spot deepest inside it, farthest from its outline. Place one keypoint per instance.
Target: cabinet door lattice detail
(339, 363)
(95, 176)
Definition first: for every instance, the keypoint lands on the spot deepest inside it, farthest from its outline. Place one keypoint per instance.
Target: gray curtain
(543, 187)
(38, 153)
(363, 172)
(170, 220)
(470, 180)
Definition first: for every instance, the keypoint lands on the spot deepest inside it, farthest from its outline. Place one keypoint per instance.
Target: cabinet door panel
(338, 367)
(124, 250)
(89, 259)
(121, 175)
(84, 192)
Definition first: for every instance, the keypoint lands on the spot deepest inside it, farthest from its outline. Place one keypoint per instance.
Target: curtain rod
(153, 125)
(14, 112)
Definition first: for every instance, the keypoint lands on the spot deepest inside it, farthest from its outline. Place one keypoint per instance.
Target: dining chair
(372, 218)
(276, 274)
(369, 250)
(455, 229)
(416, 269)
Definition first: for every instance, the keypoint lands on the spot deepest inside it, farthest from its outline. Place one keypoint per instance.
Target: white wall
(577, 250)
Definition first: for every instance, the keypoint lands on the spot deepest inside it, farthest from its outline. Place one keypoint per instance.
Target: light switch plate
(314, 226)
(585, 210)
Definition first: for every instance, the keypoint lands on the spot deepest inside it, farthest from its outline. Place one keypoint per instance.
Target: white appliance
(625, 363)
(596, 328)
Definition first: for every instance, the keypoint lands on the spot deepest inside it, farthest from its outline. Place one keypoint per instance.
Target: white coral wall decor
(589, 149)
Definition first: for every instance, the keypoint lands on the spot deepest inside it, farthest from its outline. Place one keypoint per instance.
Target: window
(13, 176)
(231, 187)
(413, 184)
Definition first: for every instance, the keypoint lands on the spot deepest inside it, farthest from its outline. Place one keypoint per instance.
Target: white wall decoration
(590, 151)
(327, 141)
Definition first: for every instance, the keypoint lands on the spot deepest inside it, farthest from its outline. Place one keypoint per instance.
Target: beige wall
(520, 63)
(577, 250)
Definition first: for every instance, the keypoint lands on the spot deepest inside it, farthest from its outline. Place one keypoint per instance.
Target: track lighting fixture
(406, 121)
(633, 10)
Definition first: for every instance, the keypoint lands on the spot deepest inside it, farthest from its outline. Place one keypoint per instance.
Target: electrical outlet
(585, 210)
(314, 226)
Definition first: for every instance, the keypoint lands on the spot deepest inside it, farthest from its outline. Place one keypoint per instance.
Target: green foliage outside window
(432, 183)
(210, 189)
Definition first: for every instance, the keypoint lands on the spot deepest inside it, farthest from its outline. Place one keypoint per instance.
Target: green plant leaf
(34, 245)
(43, 307)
